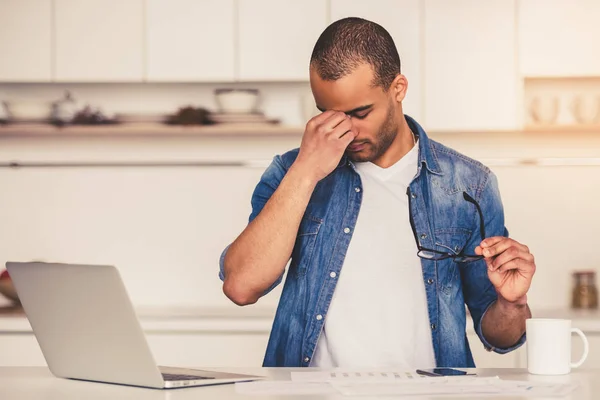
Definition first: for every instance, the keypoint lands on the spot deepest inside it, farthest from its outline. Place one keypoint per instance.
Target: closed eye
(360, 116)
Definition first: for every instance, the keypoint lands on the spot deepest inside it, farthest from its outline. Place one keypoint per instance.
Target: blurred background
(132, 133)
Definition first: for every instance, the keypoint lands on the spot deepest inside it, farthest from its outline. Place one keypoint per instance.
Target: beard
(385, 137)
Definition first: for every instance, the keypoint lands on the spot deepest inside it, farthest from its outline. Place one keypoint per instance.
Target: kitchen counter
(172, 320)
(35, 383)
(251, 319)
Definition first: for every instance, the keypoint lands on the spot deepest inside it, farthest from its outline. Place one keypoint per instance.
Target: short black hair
(349, 42)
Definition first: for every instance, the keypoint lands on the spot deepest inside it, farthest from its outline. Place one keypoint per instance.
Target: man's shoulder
(456, 162)
(460, 171)
(288, 158)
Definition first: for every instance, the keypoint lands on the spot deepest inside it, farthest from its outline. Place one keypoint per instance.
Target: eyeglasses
(435, 255)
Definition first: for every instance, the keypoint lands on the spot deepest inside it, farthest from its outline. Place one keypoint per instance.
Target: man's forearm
(504, 323)
(258, 256)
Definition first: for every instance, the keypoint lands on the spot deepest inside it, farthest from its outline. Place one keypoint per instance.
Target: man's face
(373, 110)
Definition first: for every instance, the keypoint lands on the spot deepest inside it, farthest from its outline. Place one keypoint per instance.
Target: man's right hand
(325, 139)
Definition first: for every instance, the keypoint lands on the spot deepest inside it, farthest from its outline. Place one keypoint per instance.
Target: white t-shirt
(378, 315)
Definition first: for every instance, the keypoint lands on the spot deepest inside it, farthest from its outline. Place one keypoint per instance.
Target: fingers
(512, 253)
(348, 137)
(333, 121)
(488, 242)
(340, 130)
(319, 119)
(495, 245)
(334, 125)
(523, 266)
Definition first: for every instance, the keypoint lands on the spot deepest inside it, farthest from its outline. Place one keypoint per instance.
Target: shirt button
(413, 195)
(346, 230)
(430, 281)
(433, 327)
(333, 274)
(357, 189)
(306, 359)
(423, 236)
(319, 317)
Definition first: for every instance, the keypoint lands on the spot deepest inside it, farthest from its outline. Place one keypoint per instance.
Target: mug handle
(586, 348)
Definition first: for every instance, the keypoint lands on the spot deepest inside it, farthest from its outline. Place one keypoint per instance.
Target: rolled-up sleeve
(269, 182)
(478, 291)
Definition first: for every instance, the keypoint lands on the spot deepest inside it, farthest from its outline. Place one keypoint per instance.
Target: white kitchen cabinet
(175, 349)
(20, 349)
(190, 40)
(211, 349)
(559, 37)
(99, 40)
(470, 66)
(276, 38)
(406, 35)
(163, 227)
(25, 40)
(489, 359)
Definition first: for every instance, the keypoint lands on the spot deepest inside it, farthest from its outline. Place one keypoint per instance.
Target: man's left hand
(510, 266)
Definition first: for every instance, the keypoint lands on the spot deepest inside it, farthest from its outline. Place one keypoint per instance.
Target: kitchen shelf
(41, 130)
(257, 130)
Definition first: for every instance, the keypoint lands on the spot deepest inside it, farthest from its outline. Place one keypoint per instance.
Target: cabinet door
(406, 35)
(20, 350)
(163, 228)
(222, 349)
(99, 40)
(488, 359)
(25, 40)
(190, 40)
(276, 38)
(559, 37)
(470, 67)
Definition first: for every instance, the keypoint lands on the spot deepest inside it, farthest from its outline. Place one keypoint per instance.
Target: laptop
(87, 328)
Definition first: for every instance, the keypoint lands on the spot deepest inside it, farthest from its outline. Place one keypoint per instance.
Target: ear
(399, 87)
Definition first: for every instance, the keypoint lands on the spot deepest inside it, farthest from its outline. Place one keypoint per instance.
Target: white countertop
(257, 319)
(177, 319)
(24, 383)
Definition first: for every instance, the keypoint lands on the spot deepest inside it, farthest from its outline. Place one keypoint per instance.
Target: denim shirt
(443, 221)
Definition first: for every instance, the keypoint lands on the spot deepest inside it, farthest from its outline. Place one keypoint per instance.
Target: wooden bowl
(8, 290)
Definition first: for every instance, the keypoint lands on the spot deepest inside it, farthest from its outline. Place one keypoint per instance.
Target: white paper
(399, 383)
(282, 388)
(358, 376)
(526, 388)
(478, 387)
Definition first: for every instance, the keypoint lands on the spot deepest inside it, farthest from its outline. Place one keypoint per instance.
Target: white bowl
(237, 100)
(29, 110)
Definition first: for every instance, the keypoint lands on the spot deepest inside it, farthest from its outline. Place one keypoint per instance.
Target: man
(390, 233)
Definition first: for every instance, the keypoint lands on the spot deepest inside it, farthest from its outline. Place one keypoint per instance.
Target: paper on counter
(482, 387)
(330, 376)
(282, 388)
(527, 388)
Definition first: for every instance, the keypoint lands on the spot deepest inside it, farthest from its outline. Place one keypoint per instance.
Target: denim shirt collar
(427, 155)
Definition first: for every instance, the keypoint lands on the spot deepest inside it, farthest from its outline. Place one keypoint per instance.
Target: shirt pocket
(452, 240)
(304, 248)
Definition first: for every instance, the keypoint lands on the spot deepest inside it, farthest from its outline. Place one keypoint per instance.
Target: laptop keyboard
(182, 377)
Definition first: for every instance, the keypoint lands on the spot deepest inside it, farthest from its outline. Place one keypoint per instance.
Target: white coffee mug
(549, 346)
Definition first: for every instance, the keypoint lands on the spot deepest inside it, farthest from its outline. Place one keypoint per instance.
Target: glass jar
(585, 294)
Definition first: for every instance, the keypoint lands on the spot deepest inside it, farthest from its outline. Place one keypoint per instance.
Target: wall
(165, 226)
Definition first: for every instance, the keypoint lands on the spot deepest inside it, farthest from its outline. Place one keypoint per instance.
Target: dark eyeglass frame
(436, 255)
